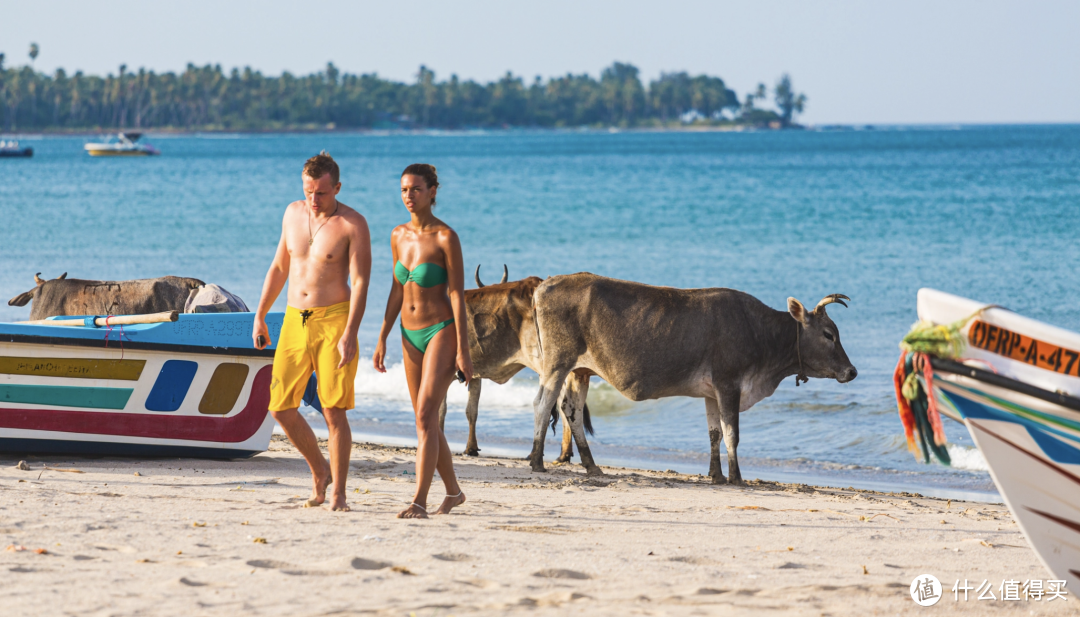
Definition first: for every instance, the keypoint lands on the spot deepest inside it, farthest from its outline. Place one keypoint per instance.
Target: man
(325, 255)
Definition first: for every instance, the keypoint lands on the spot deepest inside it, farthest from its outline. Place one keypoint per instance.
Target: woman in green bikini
(429, 292)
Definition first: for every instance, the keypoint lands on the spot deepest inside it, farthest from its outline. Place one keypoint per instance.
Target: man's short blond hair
(320, 165)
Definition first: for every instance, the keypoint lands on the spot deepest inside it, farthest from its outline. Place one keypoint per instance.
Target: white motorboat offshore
(124, 144)
(1014, 382)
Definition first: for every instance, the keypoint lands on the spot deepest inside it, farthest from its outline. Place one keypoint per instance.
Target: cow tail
(587, 419)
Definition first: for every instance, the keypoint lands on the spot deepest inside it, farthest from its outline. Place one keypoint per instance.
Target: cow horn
(37, 278)
(62, 277)
(476, 276)
(829, 299)
(505, 274)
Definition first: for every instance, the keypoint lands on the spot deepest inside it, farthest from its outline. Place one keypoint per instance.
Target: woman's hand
(378, 358)
(464, 364)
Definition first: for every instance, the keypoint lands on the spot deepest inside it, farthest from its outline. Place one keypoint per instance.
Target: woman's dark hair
(425, 171)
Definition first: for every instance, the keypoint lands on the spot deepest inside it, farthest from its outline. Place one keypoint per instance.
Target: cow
(650, 342)
(64, 296)
(502, 341)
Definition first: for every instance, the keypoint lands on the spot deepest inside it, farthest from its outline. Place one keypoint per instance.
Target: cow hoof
(473, 452)
(736, 481)
(538, 467)
(563, 459)
(719, 480)
(594, 471)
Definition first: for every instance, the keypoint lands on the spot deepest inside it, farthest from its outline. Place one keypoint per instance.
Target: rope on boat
(915, 400)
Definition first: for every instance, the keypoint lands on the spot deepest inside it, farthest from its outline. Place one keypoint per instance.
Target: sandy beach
(109, 536)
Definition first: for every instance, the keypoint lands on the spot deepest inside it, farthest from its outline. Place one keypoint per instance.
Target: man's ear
(797, 310)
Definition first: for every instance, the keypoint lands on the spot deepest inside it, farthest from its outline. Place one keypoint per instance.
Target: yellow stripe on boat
(78, 368)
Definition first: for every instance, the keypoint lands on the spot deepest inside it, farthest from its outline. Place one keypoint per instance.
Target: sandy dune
(194, 537)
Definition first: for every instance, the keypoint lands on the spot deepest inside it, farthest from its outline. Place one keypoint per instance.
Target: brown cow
(64, 296)
(502, 341)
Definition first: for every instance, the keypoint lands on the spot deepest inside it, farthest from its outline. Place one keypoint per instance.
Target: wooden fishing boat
(1016, 386)
(124, 145)
(191, 386)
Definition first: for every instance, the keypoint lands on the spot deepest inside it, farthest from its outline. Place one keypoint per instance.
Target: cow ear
(21, 299)
(62, 277)
(797, 310)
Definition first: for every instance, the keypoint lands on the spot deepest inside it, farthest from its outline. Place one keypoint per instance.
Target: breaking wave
(518, 393)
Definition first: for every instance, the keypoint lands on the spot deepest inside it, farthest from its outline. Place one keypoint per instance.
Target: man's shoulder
(351, 215)
(295, 207)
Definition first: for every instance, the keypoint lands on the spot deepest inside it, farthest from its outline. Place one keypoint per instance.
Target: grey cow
(502, 341)
(652, 342)
(64, 296)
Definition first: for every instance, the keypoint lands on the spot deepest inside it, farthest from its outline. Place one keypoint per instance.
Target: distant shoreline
(732, 128)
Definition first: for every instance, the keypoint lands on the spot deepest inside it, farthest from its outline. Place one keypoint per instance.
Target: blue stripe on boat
(1057, 450)
(142, 450)
(172, 385)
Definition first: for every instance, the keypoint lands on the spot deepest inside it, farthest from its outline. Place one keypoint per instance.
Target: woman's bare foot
(337, 503)
(413, 511)
(451, 502)
(318, 491)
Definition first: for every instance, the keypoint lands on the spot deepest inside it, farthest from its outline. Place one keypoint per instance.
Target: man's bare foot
(318, 491)
(337, 503)
(413, 511)
(451, 502)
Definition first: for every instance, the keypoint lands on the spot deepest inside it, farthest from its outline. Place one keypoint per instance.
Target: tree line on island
(208, 98)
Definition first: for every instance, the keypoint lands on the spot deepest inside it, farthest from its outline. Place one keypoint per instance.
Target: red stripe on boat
(154, 425)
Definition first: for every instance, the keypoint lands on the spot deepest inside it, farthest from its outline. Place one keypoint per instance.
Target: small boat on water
(1014, 382)
(11, 149)
(187, 385)
(124, 145)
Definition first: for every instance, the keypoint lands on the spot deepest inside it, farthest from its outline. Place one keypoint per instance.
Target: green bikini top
(424, 275)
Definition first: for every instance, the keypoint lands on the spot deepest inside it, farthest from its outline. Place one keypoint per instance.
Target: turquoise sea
(991, 213)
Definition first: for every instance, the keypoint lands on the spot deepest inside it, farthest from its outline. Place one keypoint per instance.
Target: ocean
(990, 213)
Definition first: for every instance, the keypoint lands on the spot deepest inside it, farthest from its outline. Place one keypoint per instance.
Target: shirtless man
(325, 255)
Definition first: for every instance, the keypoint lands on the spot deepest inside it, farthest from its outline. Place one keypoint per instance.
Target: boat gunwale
(136, 345)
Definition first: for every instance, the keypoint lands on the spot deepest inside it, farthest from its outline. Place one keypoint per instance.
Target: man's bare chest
(322, 243)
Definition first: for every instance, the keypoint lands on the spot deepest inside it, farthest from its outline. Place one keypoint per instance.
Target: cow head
(25, 297)
(818, 341)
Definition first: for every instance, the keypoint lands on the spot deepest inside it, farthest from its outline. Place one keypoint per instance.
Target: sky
(898, 62)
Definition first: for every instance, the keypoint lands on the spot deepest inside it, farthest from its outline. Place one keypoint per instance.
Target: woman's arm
(455, 268)
(393, 309)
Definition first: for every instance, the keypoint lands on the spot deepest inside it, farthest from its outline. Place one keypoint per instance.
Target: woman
(429, 284)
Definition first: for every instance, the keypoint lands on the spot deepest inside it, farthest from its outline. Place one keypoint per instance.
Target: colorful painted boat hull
(195, 387)
(1031, 444)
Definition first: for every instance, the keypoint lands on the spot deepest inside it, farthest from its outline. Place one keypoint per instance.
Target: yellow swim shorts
(308, 341)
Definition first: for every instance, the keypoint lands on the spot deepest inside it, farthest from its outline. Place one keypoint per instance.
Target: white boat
(124, 145)
(1016, 386)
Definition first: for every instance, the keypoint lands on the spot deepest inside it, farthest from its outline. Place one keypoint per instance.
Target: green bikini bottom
(420, 338)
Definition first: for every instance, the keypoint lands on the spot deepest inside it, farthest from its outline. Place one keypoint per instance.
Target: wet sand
(196, 537)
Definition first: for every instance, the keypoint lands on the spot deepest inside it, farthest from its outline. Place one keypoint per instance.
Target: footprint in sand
(561, 573)
(269, 563)
(190, 583)
(452, 557)
(696, 561)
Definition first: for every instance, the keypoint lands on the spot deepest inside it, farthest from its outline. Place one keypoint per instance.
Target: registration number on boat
(1015, 346)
